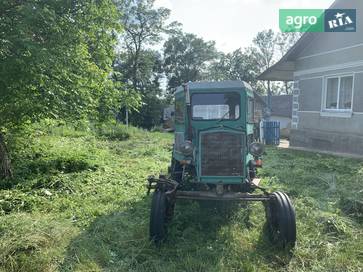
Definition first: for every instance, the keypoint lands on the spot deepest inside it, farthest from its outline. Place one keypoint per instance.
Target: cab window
(214, 106)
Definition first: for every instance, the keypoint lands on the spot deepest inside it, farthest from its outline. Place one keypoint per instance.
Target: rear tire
(281, 220)
(158, 217)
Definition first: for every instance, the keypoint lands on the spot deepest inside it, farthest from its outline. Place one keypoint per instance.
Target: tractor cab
(214, 127)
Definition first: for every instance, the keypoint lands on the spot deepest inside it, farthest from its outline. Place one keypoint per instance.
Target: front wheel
(158, 217)
(281, 221)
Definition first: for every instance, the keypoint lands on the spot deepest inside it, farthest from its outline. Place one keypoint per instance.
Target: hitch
(169, 186)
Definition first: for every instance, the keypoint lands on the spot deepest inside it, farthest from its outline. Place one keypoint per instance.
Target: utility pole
(268, 115)
(126, 116)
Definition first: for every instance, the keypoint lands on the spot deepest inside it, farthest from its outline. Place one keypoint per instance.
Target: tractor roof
(215, 85)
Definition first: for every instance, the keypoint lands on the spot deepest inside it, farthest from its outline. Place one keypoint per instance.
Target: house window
(339, 93)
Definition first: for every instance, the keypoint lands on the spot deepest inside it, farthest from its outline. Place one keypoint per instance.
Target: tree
(55, 60)
(264, 45)
(144, 26)
(149, 74)
(233, 66)
(285, 40)
(186, 58)
(267, 48)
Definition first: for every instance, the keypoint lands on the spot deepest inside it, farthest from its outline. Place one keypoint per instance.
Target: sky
(232, 23)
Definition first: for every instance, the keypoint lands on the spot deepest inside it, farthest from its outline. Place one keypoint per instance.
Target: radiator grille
(221, 154)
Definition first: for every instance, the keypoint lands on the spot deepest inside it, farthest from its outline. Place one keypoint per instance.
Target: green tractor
(215, 157)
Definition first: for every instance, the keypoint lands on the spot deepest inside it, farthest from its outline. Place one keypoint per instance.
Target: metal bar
(202, 195)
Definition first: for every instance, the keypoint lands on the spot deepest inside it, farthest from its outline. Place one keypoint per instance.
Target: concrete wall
(327, 141)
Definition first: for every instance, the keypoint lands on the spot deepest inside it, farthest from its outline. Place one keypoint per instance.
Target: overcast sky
(232, 23)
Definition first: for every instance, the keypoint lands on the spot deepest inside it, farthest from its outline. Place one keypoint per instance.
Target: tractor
(215, 157)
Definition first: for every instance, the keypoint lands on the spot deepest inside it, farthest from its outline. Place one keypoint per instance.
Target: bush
(114, 132)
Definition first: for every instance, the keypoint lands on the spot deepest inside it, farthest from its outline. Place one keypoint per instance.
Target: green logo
(302, 20)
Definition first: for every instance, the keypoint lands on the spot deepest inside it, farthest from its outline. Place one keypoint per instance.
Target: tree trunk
(5, 162)
(126, 116)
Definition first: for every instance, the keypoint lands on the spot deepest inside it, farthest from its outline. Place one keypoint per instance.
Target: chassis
(280, 213)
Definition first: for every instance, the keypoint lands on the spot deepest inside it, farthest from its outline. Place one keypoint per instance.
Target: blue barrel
(271, 132)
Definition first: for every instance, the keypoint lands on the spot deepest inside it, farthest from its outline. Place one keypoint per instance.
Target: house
(327, 71)
(281, 111)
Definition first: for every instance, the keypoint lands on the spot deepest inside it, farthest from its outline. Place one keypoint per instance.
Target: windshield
(215, 106)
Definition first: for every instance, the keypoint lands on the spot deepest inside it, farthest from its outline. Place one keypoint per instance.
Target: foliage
(237, 65)
(55, 58)
(247, 64)
(149, 75)
(267, 47)
(186, 57)
(96, 219)
(144, 25)
(139, 66)
(285, 40)
(264, 48)
(150, 113)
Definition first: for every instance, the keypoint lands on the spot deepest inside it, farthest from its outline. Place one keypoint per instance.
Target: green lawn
(78, 203)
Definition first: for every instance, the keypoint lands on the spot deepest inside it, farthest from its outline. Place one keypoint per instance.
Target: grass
(78, 203)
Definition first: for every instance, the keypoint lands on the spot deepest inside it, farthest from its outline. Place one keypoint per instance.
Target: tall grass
(78, 203)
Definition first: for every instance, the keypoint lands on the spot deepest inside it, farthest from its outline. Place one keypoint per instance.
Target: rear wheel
(158, 217)
(281, 221)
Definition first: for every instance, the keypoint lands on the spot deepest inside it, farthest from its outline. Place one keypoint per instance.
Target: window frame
(204, 120)
(250, 118)
(179, 120)
(324, 109)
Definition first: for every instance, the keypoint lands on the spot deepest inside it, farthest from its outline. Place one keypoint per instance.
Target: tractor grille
(221, 154)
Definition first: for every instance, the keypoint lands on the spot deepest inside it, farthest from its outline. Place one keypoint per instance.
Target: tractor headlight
(187, 148)
(256, 149)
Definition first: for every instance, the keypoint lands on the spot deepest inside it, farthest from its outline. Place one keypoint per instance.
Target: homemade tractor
(215, 157)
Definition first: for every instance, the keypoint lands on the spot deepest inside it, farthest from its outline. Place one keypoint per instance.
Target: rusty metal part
(168, 185)
(204, 195)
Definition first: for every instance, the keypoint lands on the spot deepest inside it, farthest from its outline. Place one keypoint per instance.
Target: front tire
(281, 220)
(158, 217)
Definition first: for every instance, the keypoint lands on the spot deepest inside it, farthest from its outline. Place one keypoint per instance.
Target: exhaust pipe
(189, 111)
